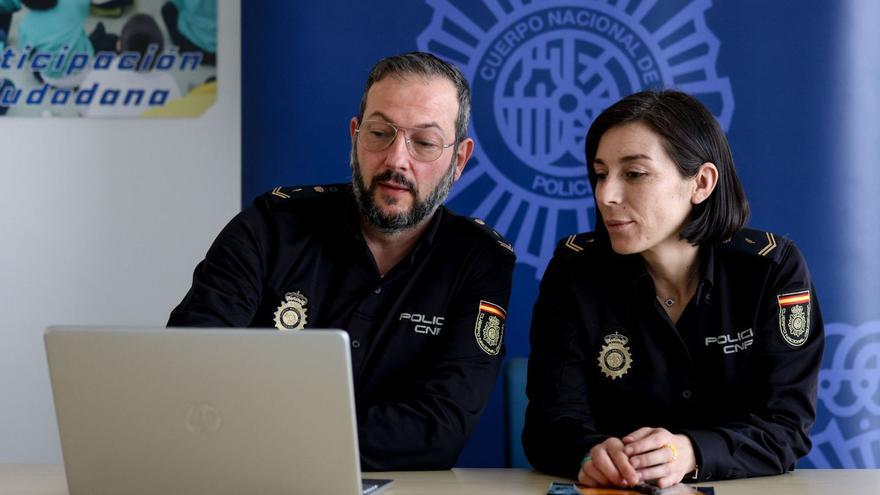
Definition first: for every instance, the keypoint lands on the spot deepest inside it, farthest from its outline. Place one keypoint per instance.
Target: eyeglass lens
(424, 144)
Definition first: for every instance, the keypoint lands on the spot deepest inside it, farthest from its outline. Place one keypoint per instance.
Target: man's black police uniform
(427, 338)
(737, 374)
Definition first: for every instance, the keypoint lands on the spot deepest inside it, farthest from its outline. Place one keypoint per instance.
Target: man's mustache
(395, 178)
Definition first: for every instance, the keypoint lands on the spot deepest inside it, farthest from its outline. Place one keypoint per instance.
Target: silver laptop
(204, 411)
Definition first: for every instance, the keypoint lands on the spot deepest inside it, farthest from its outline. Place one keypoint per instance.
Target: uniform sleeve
(559, 429)
(783, 376)
(426, 423)
(227, 284)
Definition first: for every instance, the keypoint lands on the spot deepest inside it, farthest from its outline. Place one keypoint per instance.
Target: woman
(670, 344)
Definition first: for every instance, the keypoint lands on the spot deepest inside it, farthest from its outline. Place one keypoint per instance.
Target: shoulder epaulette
(498, 238)
(756, 242)
(577, 243)
(285, 193)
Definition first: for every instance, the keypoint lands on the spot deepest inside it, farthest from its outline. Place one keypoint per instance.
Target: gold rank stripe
(277, 192)
(793, 298)
(569, 243)
(771, 245)
(493, 309)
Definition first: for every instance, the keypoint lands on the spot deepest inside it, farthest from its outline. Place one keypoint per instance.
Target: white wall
(102, 222)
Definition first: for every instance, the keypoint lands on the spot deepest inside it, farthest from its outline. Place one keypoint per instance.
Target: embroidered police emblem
(540, 72)
(794, 317)
(489, 329)
(614, 358)
(291, 314)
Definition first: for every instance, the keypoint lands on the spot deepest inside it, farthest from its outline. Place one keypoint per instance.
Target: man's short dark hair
(40, 4)
(138, 33)
(425, 65)
(691, 137)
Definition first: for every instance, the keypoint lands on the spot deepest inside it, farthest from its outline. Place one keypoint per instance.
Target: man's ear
(463, 153)
(352, 127)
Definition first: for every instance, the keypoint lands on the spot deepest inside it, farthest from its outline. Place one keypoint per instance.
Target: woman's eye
(635, 175)
(601, 175)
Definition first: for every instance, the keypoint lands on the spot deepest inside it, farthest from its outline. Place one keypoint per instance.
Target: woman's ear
(704, 181)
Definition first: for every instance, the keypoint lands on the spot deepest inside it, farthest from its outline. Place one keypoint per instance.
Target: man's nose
(397, 155)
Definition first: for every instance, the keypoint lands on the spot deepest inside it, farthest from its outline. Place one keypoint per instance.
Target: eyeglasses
(424, 144)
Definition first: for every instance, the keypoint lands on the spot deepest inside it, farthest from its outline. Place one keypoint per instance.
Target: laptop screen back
(204, 411)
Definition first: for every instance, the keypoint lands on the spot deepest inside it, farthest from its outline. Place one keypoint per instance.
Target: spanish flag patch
(794, 317)
(489, 328)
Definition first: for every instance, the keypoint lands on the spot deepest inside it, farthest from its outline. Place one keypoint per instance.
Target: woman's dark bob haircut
(691, 137)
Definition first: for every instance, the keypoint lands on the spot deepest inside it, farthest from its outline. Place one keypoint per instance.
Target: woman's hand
(608, 465)
(657, 454)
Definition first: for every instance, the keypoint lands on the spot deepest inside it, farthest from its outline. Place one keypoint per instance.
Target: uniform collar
(352, 231)
(643, 285)
(707, 272)
(352, 216)
(423, 245)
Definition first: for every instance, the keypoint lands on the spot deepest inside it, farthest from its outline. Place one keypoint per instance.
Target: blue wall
(794, 84)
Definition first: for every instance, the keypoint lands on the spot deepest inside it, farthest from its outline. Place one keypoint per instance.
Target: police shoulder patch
(489, 327)
(577, 243)
(284, 193)
(756, 242)
(794, 317)
(496, 237)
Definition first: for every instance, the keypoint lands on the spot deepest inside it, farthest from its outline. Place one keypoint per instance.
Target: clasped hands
(647, 454)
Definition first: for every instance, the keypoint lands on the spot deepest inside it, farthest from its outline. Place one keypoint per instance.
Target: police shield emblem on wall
(291, 314)
(794, 317)
(539, 73)
(489, 329)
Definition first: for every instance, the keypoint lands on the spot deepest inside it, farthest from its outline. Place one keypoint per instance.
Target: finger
(582, 476)
(651, 442)
(627, 472)
(654, 472)
(595, 475)
(662, 455)
(638, 434)
(586, 480)
(603, 463)
(667, 481)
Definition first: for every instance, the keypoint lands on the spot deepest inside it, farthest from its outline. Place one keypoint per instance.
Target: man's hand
(657, 454)
(608, 465)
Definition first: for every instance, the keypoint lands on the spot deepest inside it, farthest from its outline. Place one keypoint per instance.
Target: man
(421, 291)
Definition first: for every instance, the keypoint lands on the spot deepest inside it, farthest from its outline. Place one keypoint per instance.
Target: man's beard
(398, 222)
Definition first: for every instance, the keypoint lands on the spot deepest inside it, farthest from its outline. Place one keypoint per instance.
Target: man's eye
(426, 145)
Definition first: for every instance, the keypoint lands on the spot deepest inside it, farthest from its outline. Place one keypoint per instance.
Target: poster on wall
(107, 58)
